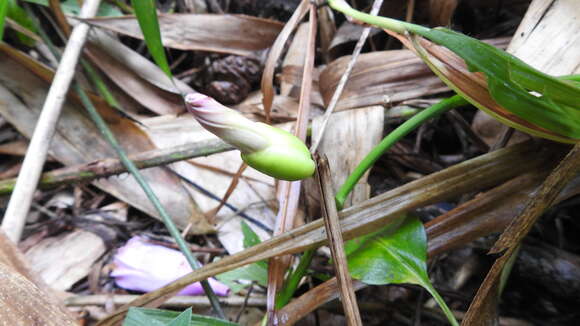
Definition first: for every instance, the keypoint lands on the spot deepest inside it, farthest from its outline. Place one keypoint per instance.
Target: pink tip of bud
(196, 100)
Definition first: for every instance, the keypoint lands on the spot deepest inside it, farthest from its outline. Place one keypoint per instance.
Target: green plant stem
(287, 292)
(383, 22)
(130, 166)
(448, 313)
(101, 86)
(390, 140)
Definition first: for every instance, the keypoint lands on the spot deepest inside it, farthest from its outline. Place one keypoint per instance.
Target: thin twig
(344, 78)
(410, 11)
(174, 302)
(21, 198)
(245, 303)
(334, 234)
(110, 166)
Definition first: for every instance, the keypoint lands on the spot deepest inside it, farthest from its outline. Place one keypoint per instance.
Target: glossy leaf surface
(395, 254)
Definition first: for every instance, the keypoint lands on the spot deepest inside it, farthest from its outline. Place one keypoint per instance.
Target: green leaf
(147, 17)
(11, 9)
(71, 7)
(257, 272)
(393, 255)
(252, 272)
(250, 237)
(553, 104)
(159, 317)
(183, 319)
(3, 12)
(524, 91)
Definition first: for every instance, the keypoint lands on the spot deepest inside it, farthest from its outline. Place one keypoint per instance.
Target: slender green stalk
(102, 88)
(390, 140)
(384, 22)
(293, 281)
(173, 231)
(448, 313)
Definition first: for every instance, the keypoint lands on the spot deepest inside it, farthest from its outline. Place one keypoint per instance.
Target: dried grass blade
(344, 78)
(334, 234)
(267, 85)
(289, 192)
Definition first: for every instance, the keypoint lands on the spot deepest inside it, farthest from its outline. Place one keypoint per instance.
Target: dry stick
(173, 302)
(21, 198)
(410, 11)
(289, 192)
(334, 234)
(111, 166)
(568, 168)
(344, 78)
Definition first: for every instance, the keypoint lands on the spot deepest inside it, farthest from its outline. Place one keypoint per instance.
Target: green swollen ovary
(286, 157)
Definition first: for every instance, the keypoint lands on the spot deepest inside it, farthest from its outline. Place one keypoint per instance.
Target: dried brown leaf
(150, 96)
(267, 84)
(77, 140)
(25, 299)
(379, 78)
(358, 130)
(234, 34)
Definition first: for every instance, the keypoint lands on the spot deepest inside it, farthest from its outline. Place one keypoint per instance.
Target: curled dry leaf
(379, 78)
(549, 40)
(471, 85)
(137, 76)
(77, 140)
(150, 96)
(234, 34)
(267, 84)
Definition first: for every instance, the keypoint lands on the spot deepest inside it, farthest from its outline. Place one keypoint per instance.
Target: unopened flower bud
(268, 149)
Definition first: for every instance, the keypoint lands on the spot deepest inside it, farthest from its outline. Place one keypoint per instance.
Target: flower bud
(267, 149)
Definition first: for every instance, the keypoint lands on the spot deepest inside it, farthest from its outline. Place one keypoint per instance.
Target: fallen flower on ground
(143, 266)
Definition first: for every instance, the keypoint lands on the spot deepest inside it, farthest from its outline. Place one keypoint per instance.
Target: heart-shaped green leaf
(393, 255)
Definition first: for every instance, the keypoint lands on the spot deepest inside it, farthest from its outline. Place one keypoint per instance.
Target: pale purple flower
(142, 266)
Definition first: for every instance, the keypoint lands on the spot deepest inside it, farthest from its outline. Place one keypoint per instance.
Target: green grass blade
(147, 17)
(3, 12)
